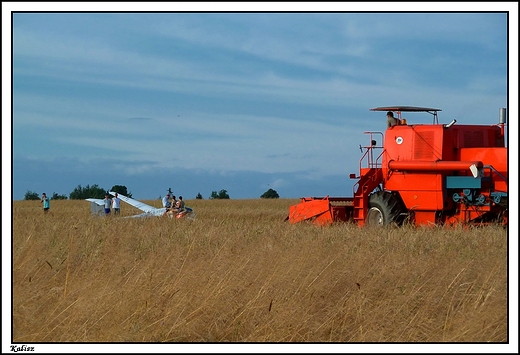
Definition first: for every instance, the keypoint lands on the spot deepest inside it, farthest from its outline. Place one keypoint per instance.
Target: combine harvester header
(423, 174)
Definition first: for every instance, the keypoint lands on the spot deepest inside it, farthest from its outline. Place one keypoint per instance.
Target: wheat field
(239, 273)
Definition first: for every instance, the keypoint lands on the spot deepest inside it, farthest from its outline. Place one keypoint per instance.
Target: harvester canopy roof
(399, 109)
(405, 109)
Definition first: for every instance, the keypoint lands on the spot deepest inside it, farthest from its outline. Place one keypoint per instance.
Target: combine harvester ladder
(366, 184)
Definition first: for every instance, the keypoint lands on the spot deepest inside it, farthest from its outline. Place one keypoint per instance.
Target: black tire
(384, 209)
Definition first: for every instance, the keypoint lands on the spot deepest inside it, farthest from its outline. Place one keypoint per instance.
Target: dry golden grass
(239, 273)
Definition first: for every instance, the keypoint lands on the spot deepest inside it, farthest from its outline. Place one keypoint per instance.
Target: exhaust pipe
(450, 124)
(502, 118)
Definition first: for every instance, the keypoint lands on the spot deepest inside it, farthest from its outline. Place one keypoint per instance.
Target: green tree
(120, 189)
(198, 197)
(31, 195)
(81, 193)
(270, 194)
(55, 196)
(221, 195)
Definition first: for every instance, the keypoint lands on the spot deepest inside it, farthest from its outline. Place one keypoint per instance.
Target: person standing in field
(116, 204)
(166, 203)
(180, 205)
(173, 207)
(108, 202)
(46, 203)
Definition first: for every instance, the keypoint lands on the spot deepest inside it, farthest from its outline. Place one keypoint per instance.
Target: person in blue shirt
(108, 203)
(166, 201)
(46, 202)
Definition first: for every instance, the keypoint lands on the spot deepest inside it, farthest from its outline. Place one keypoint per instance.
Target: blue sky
(200, 102)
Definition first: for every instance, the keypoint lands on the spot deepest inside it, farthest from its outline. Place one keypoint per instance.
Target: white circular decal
(399, 140)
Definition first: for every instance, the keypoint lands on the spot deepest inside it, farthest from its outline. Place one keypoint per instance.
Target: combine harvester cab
(424, 174)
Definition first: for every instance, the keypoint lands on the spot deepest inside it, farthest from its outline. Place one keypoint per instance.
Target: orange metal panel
(417, 181)
(496, 157)
(489, 156)
(323, 219)
(424, 218)
(423, 200)
(307, 210)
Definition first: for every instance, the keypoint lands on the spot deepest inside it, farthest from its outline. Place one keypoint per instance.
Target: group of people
(112, 204)
(173, 205)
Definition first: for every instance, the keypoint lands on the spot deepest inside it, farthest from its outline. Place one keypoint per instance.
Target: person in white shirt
(116, 204)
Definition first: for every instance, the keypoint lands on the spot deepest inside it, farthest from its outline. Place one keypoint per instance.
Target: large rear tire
(384, 209)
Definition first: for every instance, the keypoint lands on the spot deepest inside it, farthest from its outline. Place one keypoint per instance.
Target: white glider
(150, 211)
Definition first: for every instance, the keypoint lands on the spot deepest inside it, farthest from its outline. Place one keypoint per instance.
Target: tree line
(81, 193)
(94, 191)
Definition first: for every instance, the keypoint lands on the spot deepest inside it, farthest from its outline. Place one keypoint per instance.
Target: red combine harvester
(424, 174)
